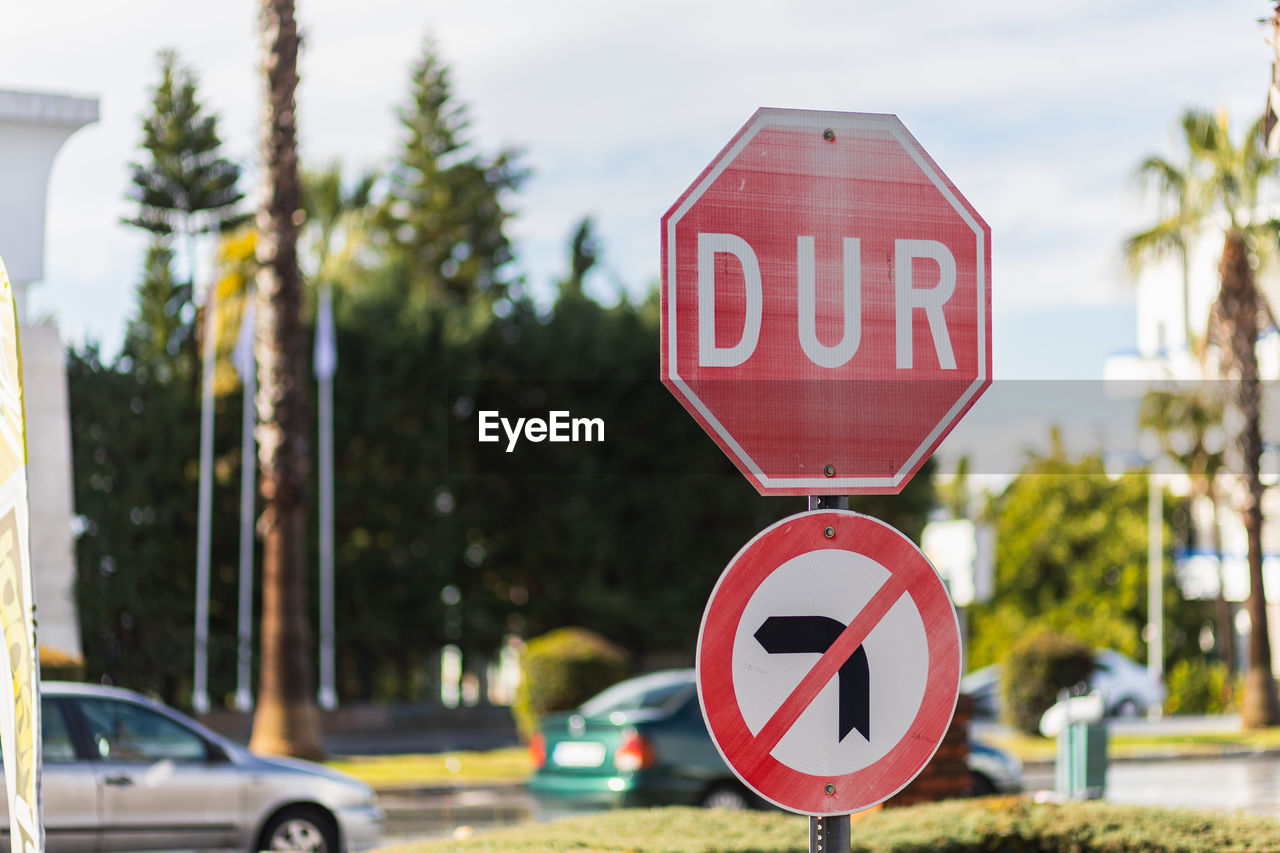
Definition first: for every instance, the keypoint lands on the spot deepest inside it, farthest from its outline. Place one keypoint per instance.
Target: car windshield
(649, 692)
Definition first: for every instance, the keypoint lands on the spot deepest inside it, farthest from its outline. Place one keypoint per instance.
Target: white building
(33, 127)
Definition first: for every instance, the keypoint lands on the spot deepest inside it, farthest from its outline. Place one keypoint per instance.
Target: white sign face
(835, 585)
(828, 662)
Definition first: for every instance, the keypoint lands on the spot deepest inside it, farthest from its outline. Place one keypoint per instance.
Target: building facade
(33, 127)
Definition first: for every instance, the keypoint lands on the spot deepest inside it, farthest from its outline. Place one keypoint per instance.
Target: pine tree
(445, 216)
(159, 330)
(186, 188)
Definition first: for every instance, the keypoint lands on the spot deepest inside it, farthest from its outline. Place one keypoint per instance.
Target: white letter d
(710, 355)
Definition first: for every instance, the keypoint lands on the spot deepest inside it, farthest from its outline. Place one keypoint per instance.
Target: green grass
(498, 766)
(959, 826)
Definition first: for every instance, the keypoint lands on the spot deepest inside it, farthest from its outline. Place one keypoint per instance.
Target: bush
(57, 665)
(560, 670)
(1039, 666)
(1200, 687)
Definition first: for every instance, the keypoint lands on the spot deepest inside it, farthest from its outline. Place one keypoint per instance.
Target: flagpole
(246, 365)
(204, 509)
(326, 360)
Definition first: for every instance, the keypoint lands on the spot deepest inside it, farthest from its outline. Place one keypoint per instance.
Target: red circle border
(776, 782)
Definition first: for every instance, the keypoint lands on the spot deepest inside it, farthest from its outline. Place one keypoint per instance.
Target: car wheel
(1128, 709)
(300, 828)
(980, 785)
(726, 796)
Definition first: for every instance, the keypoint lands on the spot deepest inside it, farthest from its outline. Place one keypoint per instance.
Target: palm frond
(1164, 239)
(1159, 174)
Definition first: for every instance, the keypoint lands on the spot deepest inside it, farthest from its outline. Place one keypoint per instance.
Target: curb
(1168, 755)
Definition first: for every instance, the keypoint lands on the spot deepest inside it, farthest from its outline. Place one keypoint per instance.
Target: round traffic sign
(828, 662)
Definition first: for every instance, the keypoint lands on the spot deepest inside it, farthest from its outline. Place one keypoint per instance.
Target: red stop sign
(826, 302)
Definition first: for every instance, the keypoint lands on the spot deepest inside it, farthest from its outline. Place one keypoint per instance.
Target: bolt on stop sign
(826, 302)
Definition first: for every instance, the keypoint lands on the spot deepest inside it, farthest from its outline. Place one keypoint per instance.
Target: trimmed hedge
(1039, 665)
(560, 670)
(991, 825)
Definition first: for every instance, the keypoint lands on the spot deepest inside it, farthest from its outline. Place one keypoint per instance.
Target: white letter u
(807, 305)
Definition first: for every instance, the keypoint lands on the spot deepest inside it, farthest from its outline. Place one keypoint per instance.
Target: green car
(643, 742)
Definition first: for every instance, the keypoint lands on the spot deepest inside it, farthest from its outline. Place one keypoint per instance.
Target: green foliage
(336, 224)
(1040, 665)
(958, 826)
(160, 332)
(187, 187)
(561, 670)
(1071, 554)
(1201, 687)
(134, 441)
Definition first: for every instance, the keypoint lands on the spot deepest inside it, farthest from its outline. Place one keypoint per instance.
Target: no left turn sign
(828, 662)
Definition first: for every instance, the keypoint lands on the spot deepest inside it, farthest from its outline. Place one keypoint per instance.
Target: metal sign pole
(827, 834)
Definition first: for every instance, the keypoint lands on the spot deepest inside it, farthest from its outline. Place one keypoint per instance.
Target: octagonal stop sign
(826, 302)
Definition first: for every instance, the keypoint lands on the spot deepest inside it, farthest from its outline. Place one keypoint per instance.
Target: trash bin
(1080, 771)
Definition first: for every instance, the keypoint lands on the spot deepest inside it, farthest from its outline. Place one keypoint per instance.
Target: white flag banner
(242, 353)
(20, 694)
(326, 352)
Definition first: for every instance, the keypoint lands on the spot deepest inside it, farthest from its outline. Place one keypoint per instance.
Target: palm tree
(1219, 188)
(337, 217)
(286, 720)
(1182, 418)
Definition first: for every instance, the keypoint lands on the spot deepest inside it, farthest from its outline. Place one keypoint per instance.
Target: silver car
(122, 772)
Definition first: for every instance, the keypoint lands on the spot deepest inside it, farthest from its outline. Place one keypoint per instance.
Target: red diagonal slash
(825, 669)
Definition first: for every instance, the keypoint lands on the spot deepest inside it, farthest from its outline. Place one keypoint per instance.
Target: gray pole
(831, 833)
(827, 834)
(248, 481)
(1155, 582)
(204, 508)
(327, 697)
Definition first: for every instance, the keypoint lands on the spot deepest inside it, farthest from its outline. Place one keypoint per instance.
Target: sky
(1039, 114)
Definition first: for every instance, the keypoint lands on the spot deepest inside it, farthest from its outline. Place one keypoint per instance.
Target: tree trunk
(1239, 312)
(286, 721)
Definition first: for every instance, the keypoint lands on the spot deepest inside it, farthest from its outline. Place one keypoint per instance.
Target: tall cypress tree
(445, 217)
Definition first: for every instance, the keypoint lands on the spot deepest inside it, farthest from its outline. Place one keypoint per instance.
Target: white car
(122, 772)
(1126, 688)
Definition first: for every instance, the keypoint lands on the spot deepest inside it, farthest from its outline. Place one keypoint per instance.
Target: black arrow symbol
(785, 635)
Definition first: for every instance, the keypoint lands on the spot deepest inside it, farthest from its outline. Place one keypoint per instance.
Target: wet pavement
(1243, 784)
(445, 813)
